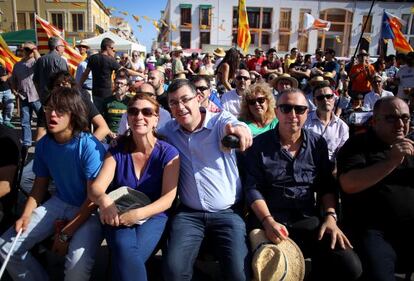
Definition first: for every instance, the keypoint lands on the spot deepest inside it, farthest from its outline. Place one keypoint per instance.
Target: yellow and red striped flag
(243, 32)
(45, 30)
(7, 58)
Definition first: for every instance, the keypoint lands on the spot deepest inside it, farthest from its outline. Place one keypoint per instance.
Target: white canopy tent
(121, 44)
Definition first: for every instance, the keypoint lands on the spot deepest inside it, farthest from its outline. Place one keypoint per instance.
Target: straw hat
(285, 76)
(126, 198)
(219, 52)
(329, 76)
(177, 49)
(271, 262)
(180, 76)
(204, 72)
(82, 44)
(318, 80)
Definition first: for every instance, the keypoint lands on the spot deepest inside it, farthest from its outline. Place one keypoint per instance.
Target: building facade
(206, 24)
(79, 19)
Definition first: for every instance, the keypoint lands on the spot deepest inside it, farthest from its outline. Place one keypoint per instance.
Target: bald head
(156, 79)
(146, 88)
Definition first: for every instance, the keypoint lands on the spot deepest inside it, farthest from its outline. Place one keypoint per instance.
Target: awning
(205, 6)
(16, 38)
(184, 6)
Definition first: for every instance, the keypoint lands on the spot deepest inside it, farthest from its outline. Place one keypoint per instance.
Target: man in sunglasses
(209, 188)
(375, 171)
(285, 168)
(324, 122)
(203, 88)
(231, 101)
(376, 93)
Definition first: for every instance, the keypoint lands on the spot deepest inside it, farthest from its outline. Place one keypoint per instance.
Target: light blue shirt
(371, 98)
(79, 71)
(209, 178)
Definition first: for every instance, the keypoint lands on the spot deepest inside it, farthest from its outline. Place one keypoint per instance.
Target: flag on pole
(243, 31)
(7, 58)
(45, 30)
(309, 22)
(391, 29)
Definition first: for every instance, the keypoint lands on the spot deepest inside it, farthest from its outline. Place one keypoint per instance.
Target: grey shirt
(23, 79)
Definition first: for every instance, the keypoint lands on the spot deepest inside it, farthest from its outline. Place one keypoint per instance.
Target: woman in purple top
(143, 162)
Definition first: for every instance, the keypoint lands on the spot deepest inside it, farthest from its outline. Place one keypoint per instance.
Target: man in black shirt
(375, 172)
(300, 71)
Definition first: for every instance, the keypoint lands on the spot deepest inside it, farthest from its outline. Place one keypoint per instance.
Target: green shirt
(114, 110)
(257, 131)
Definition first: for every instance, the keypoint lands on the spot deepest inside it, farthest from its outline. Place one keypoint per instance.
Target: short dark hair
(271, 50)
(177, 84)
(106, 42)
(53, 42)
(330, 51)
(288, 92)
(197, 78)
(69, 100)
(59, 77)
(293, 49)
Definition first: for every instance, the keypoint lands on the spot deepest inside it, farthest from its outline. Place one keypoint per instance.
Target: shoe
(10, 125)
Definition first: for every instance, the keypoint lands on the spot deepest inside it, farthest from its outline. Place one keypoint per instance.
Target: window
(368, 27)
(186, 16)
(285, 16)
(283, 42)
(77, 22)
(185, 39)
(405, 28)
(235, 17)
(267, 18)
(31, 20)
(21, 21)
(253, 15)
(204, 38)
(205, 19)
(265, 40)
(57, 20)
(303, 42)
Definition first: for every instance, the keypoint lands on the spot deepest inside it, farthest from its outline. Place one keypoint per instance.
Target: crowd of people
(323, 156)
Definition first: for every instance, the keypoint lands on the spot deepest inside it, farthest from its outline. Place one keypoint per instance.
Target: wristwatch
(333, 214)
(63, 237)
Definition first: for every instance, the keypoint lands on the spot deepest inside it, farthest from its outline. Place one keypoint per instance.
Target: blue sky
(149, 8)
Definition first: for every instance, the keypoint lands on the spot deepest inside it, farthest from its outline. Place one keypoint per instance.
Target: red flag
(45, 30)
(7, 58)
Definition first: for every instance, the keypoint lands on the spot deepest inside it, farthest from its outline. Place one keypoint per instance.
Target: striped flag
(391, 29)
(45, 30)
(7, 58)
(243, 32)
(309, 22)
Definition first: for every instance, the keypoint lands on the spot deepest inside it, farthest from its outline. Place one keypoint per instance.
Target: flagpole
(363, 29)
(381, 43)
(237, 23)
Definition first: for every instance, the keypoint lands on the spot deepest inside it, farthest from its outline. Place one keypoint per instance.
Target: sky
(149, 8)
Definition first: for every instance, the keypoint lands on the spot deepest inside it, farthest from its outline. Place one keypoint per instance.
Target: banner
(391, 29)
(309, 22)
(243, 31)
(7, 58)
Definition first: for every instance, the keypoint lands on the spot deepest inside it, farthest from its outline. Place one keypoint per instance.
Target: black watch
(332, 214)
(63, 237)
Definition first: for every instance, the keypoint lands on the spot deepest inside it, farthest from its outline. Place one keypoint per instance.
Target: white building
(206, 24)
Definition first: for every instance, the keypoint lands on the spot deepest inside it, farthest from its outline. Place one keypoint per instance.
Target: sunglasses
(245, 78)
(323, 97)
(287, 108)
(260, 100)
(48, 110)
(202, 88)
(146, 111)
(27, 49)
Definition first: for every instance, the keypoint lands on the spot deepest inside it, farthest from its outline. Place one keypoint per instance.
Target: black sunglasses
(322, 97)
(27, 49)
(245, 78)
(146, 111)
(202, 88)
(260, 100)
(287, 108)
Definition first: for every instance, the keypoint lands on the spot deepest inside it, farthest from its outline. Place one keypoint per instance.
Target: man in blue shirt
(209, 188)
(331, 65)
(285, 168)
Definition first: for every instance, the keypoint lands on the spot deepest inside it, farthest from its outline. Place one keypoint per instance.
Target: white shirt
(335, 133)
(231, 102)
(371, 98)
(406, 76)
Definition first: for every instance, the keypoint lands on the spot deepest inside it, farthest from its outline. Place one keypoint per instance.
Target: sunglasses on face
(201, 88)
(146, 111)
(287, 108)
(260, 100)
(245, 78)
(322, 97)
(27, 49)
(120, 83)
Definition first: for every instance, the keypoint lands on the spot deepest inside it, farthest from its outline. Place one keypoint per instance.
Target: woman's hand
(130, 217)
(108, 212)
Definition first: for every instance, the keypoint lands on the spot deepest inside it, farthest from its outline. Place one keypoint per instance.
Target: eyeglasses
(287, 108)
(377, 81)
(245, 78)
(184, 101)
(260, 100)
(391, 118)
(48, 110)
(202, 88)
(323, 97)
(146, 111)
(27, 49)
(121, 83)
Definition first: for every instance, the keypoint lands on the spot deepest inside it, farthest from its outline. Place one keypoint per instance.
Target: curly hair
(251, 93)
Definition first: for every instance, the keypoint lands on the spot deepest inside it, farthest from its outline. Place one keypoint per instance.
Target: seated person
(143, 162)
(285, 167)
(73, 158)
(375, 172)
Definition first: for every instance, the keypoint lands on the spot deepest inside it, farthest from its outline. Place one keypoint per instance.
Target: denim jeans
(132, 246)
(227, 231)
(7, 98)
(26, 111)
(82, 247)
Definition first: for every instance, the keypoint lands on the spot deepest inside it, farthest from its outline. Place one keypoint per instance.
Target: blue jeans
(26, 111)
(228, 233)
(132, 246)
(7, 98)
(82, 247)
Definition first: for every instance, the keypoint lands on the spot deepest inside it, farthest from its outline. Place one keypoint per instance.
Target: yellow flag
(7, 58)
(136, 18)
(146, 18)
(243, 32)
(124, 13)
(155, 23)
